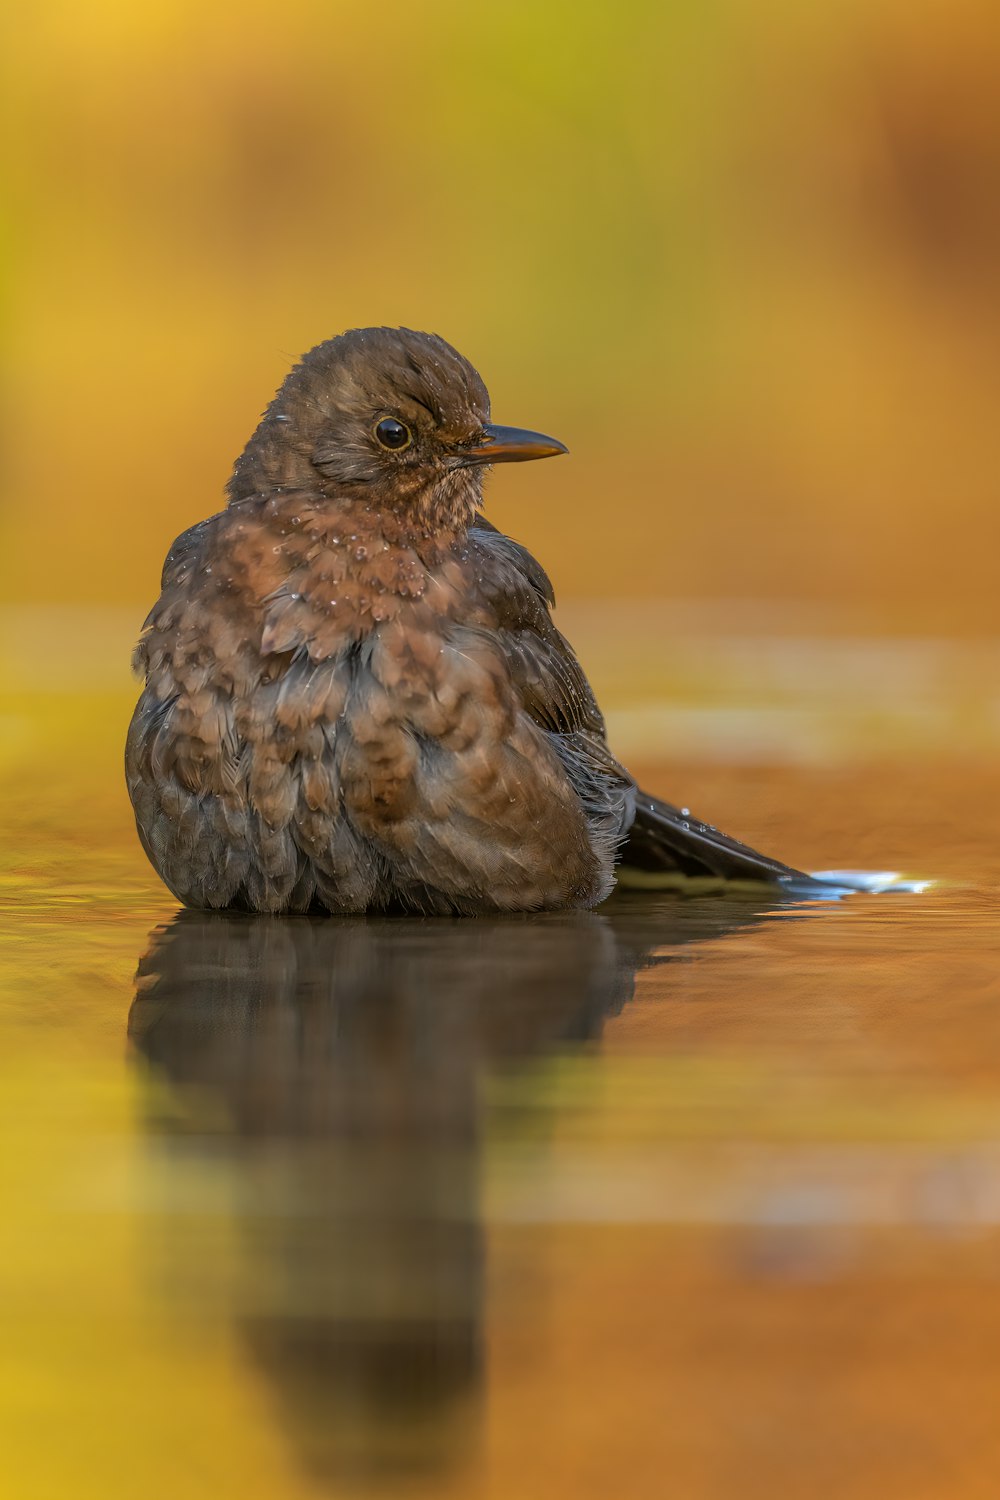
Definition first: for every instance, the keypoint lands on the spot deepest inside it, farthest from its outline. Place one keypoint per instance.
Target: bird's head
(396, 417)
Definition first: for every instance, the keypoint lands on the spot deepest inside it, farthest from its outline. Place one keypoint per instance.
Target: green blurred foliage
(744, 258)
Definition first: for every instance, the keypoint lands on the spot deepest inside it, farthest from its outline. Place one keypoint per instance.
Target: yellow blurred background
(744, 258)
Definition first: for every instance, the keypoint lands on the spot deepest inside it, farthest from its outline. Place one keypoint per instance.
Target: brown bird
(355, 698)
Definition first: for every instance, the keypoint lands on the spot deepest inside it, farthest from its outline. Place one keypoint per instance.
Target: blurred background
(744, 258)
(737, 1233)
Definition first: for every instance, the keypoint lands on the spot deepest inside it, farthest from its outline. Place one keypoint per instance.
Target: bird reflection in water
(337, 1066)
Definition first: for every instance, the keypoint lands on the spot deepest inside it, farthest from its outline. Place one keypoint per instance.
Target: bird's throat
(320, 572)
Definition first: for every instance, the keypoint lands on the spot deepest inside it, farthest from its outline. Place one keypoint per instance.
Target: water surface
(693, 1197)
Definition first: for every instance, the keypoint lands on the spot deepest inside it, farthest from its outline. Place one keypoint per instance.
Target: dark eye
(393, 434)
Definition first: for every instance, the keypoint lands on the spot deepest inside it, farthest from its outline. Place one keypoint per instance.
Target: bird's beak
(511, 445)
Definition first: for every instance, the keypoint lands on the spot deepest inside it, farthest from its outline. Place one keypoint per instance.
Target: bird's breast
(428, 703)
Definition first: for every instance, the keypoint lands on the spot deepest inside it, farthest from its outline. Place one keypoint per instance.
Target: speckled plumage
(355, 698)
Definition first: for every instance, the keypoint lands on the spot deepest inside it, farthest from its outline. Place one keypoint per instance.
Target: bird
(355, 699)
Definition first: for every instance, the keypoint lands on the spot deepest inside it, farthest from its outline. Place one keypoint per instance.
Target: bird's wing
(515, 595)
(664, 845)
(516, 591)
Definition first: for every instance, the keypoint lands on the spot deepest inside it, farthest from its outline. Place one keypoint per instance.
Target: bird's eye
(393, 434)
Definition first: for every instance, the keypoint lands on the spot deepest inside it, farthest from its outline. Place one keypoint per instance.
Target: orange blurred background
(743, 258)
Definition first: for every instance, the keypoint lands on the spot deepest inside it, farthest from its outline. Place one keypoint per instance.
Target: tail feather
(667, 847)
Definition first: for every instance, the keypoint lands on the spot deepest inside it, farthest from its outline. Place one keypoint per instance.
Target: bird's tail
(667, 848)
